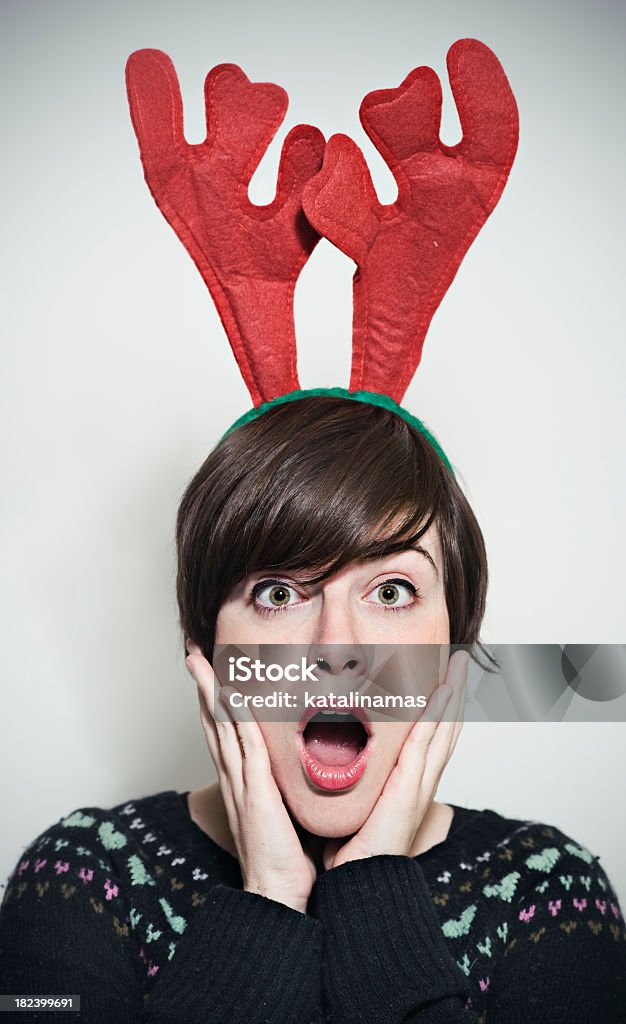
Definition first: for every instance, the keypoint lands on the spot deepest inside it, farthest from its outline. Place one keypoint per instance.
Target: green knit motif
(372, 397)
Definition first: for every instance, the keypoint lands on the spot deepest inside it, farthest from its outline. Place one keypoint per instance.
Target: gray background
(117, 380)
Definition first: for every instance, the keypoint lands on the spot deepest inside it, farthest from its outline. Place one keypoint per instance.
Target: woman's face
(398, 599)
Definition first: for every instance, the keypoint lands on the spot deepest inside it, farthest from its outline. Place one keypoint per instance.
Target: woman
(266, 897)
(295, 889)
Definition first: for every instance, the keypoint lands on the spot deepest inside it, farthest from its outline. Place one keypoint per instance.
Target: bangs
(347, 485)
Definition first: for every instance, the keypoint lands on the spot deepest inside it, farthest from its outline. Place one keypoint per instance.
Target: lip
(328, 777)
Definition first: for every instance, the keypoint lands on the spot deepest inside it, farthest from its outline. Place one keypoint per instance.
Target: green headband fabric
(372, 397)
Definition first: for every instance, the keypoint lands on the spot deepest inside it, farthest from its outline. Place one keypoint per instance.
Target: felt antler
(249, 256)
(408, 252)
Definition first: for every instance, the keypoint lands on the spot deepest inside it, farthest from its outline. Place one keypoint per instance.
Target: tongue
(333, 743)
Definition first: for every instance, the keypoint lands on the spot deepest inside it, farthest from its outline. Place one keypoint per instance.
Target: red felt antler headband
(407, 253)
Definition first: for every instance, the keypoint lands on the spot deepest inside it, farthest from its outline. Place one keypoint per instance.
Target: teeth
(324, 711)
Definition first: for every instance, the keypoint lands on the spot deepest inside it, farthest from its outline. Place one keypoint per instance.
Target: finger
(446, 705)
(438, 752)
(458, 668)
(460, 717)
(456, 678)
(210, 732)
(428, 745)
(208, 682)
(216, 747)
(200, 669)
(243, 752)
(437, 703)
(220, 732)
(230, 741)
(411, 761)
(458, 726)
(456, 675)
(256, 763)
(444, 741)
(444, 700)
(430, 722)
(217, 721)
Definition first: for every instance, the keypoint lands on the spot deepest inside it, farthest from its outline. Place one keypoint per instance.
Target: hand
(410, 789)
(272, 860)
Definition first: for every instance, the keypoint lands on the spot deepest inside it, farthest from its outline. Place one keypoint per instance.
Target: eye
(273, 595)
(395, 594)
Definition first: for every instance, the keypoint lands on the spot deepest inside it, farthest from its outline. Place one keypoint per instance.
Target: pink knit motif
(525, 915)
(111, 890)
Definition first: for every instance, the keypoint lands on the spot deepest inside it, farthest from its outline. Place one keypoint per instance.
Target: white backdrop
(117, 380)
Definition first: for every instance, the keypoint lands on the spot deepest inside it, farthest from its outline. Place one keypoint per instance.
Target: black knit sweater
(139, 912)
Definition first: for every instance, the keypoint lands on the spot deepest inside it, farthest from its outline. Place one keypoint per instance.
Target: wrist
(278, 897)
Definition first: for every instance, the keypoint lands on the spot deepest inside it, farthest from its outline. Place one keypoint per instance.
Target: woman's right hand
(272, 860)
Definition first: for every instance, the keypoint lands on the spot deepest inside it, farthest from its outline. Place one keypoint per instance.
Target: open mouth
(334, 749)
(334, 739)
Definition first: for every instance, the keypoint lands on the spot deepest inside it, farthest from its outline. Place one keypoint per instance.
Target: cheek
(437, 621)
(280, 742)
(389, 737)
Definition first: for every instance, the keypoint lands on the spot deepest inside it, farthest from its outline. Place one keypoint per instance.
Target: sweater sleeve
(386, 960)
(244, 958)
(66, 929)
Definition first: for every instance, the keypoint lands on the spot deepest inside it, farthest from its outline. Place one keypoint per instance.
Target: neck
(209, 812)
(312, 844)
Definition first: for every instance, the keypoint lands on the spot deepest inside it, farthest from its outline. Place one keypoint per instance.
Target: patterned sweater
(138, 911)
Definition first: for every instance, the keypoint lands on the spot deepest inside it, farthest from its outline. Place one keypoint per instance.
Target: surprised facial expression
(395, 600)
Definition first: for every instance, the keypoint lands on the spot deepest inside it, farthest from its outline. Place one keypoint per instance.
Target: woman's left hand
(410, 789)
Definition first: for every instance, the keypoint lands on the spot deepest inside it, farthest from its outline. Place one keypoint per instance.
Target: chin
(331, 815)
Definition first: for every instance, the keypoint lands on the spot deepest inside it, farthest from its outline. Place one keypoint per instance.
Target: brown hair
(315, 484)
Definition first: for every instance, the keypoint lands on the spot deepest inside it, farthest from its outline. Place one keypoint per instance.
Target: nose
(336, 659)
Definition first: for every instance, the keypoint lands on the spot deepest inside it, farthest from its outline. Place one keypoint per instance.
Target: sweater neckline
(470, 827)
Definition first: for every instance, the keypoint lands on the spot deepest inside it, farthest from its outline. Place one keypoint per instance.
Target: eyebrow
(385, 553)
(414, 547)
